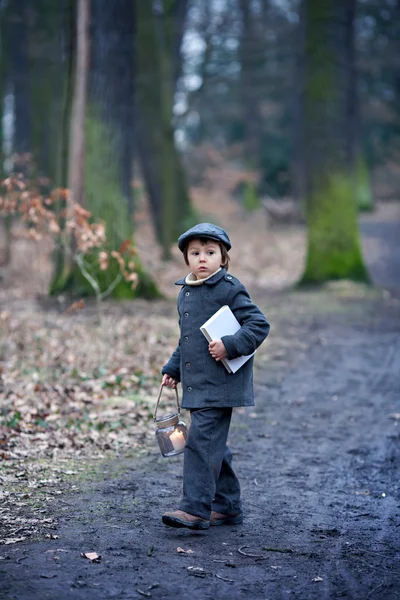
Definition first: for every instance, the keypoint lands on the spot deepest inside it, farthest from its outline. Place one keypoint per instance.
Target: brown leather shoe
(180, 518)
(220, 519)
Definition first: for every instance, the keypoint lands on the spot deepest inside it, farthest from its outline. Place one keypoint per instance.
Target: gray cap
(207, 230)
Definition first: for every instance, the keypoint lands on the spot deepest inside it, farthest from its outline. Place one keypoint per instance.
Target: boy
(211, 490)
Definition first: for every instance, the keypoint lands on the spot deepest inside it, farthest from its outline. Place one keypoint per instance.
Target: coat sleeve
(173, 366)
(254, 325)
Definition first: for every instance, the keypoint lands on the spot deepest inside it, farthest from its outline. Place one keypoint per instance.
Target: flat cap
(204, 230)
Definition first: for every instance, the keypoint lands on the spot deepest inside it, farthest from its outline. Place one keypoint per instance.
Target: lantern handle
(158, 402)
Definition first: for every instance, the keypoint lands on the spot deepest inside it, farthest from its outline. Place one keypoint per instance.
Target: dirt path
(318, 459)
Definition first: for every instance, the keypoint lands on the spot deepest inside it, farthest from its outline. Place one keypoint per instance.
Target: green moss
(363, 192)
(251, 200)
(105, 201)
(103, 196)
(334, 250)
(80, 287)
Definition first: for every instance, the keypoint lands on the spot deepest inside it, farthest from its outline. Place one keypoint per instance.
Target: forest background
(123, 124)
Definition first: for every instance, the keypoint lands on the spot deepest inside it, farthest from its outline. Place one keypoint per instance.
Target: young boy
(211, 490)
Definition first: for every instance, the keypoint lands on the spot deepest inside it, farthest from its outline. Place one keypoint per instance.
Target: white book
(224, 322)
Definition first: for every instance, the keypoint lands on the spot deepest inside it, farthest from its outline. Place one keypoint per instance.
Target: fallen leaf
(52, 536)
(12, 540)
(93, 556)
(317, 579)
(395, 416)
(182, 551)
(275, 567)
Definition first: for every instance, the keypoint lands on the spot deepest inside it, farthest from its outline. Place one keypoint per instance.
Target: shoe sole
(175, 522)
(227, 521)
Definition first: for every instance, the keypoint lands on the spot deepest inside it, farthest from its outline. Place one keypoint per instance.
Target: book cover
(224, 322)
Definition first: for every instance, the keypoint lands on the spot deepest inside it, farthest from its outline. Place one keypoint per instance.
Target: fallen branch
(142, 593)
(284, 551)
(240, 550)
(374, 590)
(224, 578)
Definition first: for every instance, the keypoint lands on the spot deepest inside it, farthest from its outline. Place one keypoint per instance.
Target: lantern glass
(171, 434)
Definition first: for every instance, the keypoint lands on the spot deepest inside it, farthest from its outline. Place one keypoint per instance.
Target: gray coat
(206, 382)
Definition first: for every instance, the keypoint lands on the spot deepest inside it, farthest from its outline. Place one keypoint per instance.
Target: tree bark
(249, 57)
(160, 161)
(109, 131)
(5, 222)
(19, 76)
(333, 239)
(77, 140)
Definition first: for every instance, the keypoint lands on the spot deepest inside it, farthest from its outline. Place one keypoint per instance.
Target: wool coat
(206, 382)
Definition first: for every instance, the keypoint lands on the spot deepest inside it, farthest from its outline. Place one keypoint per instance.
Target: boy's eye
(211, 252)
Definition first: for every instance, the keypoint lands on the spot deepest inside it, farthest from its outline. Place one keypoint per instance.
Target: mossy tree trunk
(334, 250)
(109, 135)
(69, 166)
(160, 161)
(60, 142)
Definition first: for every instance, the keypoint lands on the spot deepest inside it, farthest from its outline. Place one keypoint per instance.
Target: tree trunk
(62, 273)
(297, 166)
(160, 161)
(249, 58)
(15, 79)
(77, 139)
(333, 238)
(109, 131)
(5, 222)
(69, 167)
(19, 77)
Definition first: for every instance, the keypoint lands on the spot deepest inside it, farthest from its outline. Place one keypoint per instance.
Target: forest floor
(318, 456)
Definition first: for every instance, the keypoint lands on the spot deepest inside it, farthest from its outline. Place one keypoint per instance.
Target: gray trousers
(209, 482)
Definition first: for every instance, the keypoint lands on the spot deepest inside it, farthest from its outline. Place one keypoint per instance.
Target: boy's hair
(204, 241)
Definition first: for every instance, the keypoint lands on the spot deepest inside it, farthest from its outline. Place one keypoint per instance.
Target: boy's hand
(217, 349)
(169, 381)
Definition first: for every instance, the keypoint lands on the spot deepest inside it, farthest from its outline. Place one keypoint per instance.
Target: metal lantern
(171, 432)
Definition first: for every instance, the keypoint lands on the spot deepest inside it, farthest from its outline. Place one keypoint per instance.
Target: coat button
(186, 339)
(187, 294)
(189, 389)
(229, 276)
(187, 364)
(186, 315)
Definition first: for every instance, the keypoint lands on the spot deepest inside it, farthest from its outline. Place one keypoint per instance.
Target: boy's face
(204, 258)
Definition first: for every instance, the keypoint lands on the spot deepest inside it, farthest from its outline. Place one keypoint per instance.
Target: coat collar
(211, 281)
